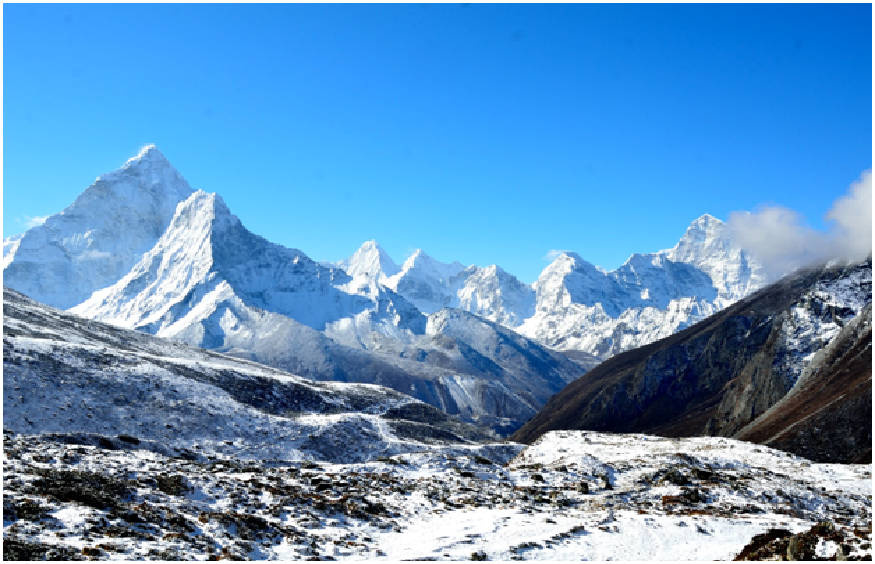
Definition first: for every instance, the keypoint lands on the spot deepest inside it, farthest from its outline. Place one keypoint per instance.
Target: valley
(177, 387)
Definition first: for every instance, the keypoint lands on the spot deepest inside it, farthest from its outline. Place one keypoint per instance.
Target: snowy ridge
(97, 239)
(425, 282)
(575, 305)
(651, 296)
(111, 381)
(371, 260)
(206, 255)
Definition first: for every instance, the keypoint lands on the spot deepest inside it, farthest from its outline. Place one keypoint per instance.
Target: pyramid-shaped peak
(201, 202)
(705, 221)
(370, 248)
(148, 154)
(421, 262)
(369, 259)
(702, 228)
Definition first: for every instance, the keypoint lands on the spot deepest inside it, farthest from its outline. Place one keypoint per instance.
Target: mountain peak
(430, 266)
(706, 222)
(567, 257)
(370, 259)
(148, 154)
(101, 235)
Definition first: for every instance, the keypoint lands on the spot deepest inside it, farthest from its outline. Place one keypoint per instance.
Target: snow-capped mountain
(426, 282)
(651, 296)
(210, 282)
(100, 237)
(431, 285)
(707, 246)
(178, 264)
(206, 258)
(370, 260)
(576, 306)
(796, 353)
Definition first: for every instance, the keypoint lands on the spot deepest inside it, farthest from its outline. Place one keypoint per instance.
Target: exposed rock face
(823, 417)
(718, 376)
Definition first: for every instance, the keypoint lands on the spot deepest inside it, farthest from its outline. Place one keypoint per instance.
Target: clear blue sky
(481, 133)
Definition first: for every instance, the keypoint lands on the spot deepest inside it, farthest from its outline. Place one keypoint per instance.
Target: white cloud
(852, 217)
(780, 240)
(34, 221)
(553, 254)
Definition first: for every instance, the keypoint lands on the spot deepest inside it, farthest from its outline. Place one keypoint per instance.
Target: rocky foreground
(571, 495)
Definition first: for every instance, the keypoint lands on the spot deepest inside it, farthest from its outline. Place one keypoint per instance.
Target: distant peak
(704, 227)
(148, 154)
(206, 200)
(705, 220)
(566, 256)
(147, 149)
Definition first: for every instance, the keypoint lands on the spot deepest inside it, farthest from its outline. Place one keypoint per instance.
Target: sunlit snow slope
(98, 238)
(66, 374)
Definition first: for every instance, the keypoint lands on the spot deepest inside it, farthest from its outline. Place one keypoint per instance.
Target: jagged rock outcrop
(823, 417)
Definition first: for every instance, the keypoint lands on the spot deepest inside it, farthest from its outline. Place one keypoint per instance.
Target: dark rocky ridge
(824, 417)
(718, 376)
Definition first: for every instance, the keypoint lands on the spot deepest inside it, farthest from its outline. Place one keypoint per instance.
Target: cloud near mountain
(781, 241)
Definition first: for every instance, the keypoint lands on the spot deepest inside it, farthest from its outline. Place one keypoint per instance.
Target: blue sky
(481, 133)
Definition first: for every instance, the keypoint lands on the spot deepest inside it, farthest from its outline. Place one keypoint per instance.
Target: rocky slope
(720, 375)
(571, 496)
(823, 417)
(63, 374)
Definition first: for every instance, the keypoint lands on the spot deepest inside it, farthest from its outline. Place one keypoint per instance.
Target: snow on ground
(570, 496)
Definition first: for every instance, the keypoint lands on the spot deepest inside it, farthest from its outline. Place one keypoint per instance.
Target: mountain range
(199, 392)
(141, 249)
(789, 366)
